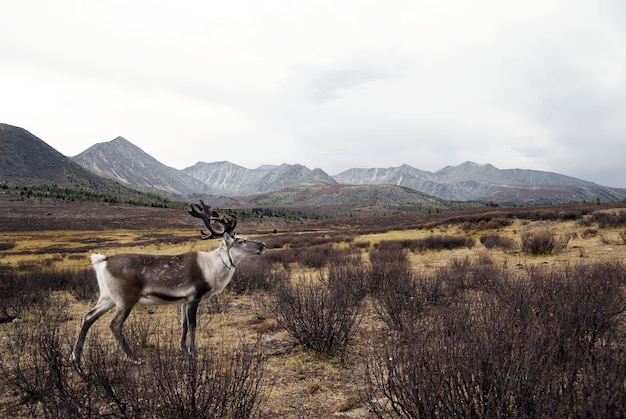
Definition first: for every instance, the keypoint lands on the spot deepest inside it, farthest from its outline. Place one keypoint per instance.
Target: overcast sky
(329, 84)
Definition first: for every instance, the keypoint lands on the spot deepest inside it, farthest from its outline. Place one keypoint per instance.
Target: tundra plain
(478, 312)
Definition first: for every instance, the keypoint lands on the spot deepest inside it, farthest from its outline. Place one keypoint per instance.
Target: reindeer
(127, 279)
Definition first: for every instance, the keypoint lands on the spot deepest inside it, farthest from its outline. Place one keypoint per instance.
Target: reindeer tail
(97, 258)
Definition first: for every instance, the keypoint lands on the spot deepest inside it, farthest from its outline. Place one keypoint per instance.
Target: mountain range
(25, 158)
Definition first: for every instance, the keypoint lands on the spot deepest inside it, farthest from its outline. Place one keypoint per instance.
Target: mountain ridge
(121, 161)
(26, 159)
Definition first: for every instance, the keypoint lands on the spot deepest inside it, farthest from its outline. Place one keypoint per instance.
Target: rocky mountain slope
(483, 182)
(233, 180)
(122, 161)
(25, 159)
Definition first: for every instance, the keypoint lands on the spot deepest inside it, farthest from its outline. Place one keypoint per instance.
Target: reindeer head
(217, 225)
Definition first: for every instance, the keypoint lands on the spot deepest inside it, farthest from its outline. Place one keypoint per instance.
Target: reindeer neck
(228, 262)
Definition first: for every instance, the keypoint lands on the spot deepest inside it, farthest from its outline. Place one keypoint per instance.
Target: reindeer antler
(217, 225)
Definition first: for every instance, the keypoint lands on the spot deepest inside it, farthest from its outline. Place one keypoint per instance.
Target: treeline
(286, 214)
(69, 194)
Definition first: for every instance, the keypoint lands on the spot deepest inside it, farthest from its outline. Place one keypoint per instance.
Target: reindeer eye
(240, 242)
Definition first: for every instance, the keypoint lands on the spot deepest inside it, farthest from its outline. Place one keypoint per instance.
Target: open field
(452, 314)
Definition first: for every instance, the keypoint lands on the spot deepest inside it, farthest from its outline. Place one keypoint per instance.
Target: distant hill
(27, 160)
(340, 199)
(122, 161)
(485, 183)
(233, 180)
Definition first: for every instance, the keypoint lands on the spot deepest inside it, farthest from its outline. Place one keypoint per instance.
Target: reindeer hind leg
(100, 309)
(116, 327)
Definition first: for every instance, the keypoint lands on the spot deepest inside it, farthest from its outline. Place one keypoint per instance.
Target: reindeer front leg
(189, 320)
(183, 323)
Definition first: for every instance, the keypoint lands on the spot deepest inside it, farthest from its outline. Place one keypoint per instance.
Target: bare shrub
(35, 366)
(19, 291)
(444, 243)
(393, 245)
(585, 303)
(307, 239)
(139, 331)
(622, 235)
(487, 224)
(399, 296)
(348, 272)
(606, 219)
(461, 275)
(222, 382)
(402, 300)
(401, 378)
(428, 243)
(321, 314)
(83, 285)
(550, 346)
(387, 263)
(496, 241)
(315, 256)
(543, 243)
(254, 274)
(285, 257)
(109, 385)
(36, 369)
(484, 258)
(6, 246)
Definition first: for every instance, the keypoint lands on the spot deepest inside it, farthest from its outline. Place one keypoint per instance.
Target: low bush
(321, 314)
(461, 275)
(403, 300)
(223, 381)
(543, 243)
(349, 272)
(487, 224)
(315, 256)
(387, 262)
(6, 246)
(20, 290)
(285, 257)
(589, 232)
(443, 243)
(496, 241)
(550, 344)
(220, 382)
(428, 243)
(255, 274)
(606, 219)
(83, 284)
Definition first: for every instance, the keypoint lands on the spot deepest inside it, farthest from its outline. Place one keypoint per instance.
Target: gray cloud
(533, 84)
